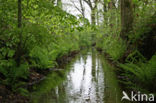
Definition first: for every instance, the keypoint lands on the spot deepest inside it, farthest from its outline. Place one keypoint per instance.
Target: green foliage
(135, 57)
(47, 33)
(138, 73)
(23, 91)
(141, 76)
(108, 35)
(110, 42)
(86, 37)
(12, 72)
(144, 17)
(40, 58)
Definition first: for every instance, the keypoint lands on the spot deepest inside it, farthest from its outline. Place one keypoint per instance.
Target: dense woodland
(38, 35)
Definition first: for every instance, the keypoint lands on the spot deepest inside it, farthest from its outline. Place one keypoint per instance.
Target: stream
(87, 78)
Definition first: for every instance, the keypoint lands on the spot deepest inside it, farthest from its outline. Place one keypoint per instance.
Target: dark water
(86, 79)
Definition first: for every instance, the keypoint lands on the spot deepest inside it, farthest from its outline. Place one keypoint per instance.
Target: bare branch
(76, 7)
(89, 3)
(81, 9)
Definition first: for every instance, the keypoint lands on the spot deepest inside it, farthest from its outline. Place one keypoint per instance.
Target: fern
(141, 74)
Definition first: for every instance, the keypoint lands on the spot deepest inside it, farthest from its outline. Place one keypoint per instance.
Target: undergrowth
(140, 76)
(137, 71)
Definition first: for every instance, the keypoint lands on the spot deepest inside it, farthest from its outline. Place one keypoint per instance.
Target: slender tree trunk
(116, 10)
(19, 22)
(105, 11)
(126, 18)
(110, 7)
(19, 14)
(93, 9)
(93, 16)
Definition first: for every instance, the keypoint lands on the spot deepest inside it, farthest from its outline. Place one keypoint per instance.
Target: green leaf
(11, 53)
(135, 1)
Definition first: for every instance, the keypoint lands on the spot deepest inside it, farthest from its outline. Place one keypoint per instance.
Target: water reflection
(85, 83)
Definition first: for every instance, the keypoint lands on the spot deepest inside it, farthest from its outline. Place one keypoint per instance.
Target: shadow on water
(86, 79)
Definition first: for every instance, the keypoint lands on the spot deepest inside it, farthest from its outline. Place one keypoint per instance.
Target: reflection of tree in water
(84, 56)
(96, 76)
(84, 59)
(56, 95)
(93, 64)
(98, 85)
(59, 94)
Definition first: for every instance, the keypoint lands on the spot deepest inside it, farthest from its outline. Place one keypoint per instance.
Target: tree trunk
(93, 18)
(93, 9)
(19, 14)
(19, 22)
(126, 18)
(110, 8)
(105, 18)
